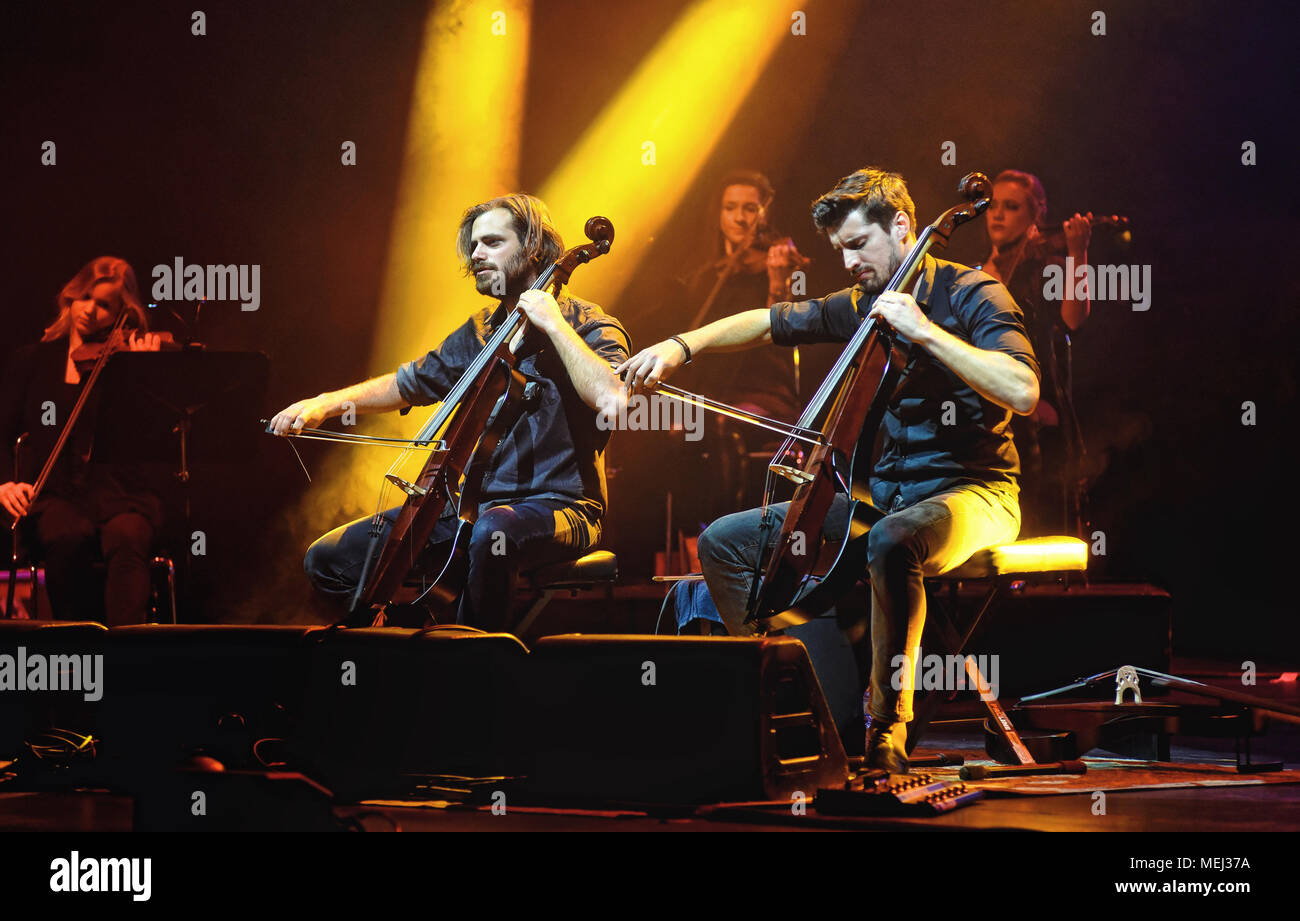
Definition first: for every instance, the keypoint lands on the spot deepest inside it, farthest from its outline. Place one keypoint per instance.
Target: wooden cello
(850, 404)
(463, 431)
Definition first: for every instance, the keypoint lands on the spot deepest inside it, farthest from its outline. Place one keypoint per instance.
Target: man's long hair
(117, 272)
(540, 241)
(877, 193)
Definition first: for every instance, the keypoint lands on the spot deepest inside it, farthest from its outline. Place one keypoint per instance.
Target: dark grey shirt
(922, 453)
(554, 449)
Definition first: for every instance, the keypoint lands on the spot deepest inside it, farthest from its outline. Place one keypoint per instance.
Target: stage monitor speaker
(215, 800)
(677, 719)
(843, 667)
(172, 691)
(394, 711)
(49, 680)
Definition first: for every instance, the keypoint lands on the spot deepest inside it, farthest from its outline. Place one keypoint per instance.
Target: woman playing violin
(748, 265)
(85, 511)
(1016, 221)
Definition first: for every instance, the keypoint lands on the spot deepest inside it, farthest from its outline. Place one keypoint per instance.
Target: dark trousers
(69, 542)
(506, 540)
(926, 539)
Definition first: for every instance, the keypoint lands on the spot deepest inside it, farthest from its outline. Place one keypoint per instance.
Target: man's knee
(320, 562)
(490, 542)
(891, 548)
(707, 546)
(722, 539)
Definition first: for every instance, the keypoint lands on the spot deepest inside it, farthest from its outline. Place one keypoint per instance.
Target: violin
(90, 352)
(748, 259)
(752, 256)
(851, 403)
(462, 433)
(1052, 242)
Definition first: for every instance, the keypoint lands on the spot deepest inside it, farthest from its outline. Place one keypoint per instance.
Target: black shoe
(886, 746)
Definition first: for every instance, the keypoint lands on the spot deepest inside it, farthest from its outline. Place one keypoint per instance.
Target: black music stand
(171, 409)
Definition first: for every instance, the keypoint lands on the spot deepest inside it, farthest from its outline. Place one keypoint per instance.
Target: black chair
(597, 569)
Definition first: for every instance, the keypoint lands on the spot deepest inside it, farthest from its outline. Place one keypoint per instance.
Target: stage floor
(1252, 803)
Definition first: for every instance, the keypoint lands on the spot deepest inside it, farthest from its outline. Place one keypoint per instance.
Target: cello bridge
(793, 474)
(405, 486)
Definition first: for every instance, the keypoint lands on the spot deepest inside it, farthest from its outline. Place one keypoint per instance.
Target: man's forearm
(998, 378)
(592, 377)
(377, 395)
(738, 331)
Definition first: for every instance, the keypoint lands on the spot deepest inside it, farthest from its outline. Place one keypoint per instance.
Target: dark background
(225, 149)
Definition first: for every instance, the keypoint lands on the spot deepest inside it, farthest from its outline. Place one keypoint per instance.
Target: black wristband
(685, 348)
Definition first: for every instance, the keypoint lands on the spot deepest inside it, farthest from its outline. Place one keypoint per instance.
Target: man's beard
(515, 271)
(877, 284)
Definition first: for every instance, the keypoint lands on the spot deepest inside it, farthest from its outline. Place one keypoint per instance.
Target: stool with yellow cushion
(1000, 566)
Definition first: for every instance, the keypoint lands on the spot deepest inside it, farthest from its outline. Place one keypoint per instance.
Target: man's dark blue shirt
(937, 431)
(555, 449)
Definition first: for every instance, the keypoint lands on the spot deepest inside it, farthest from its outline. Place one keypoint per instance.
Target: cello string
(901, 278)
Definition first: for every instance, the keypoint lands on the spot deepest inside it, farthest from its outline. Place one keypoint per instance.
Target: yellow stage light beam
(462, 146)
(642, 152)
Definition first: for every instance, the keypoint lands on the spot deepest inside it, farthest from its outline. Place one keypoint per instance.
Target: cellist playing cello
(947, 473)
(544, 493)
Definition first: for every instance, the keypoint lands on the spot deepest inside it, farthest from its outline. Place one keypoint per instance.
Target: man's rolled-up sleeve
(607, 339)
(820, 319)
(427, 380)
(997, 324)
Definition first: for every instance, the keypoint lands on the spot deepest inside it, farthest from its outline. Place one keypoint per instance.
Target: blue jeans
(928, 538)
(506, 540)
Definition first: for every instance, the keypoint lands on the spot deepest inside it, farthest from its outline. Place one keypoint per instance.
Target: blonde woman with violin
(1023, 246)
(82, 512)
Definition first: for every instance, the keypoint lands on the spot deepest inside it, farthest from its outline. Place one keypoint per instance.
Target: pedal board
(876, 793)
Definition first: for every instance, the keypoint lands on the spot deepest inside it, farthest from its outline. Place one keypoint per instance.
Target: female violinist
(84, 511)
(1017, 224)
(748, 265)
